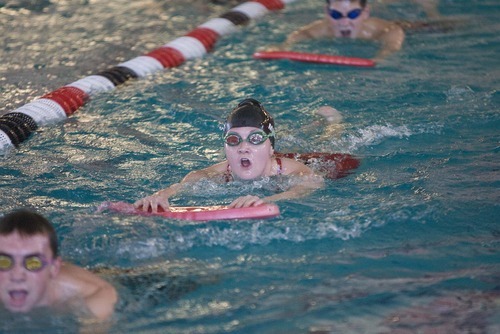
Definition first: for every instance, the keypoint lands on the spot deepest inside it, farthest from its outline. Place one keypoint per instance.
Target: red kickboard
(314, 58)
(199, 213)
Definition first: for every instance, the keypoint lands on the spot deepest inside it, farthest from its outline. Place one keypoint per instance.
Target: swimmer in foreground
(351, 19)
(32, 274)
(249, 138)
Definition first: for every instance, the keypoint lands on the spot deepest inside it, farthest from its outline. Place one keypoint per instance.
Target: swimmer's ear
(366, 11)
(55, 268)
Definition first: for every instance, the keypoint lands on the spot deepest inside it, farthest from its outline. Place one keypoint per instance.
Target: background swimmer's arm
(430, 7)
(100, 296)
(391, 37)
(316, 29)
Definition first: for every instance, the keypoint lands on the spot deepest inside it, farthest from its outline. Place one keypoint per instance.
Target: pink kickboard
(198, 213)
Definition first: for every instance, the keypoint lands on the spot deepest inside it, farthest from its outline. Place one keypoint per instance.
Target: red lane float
(314, 58)
(331, 165)
(199, 213)
(69, 98)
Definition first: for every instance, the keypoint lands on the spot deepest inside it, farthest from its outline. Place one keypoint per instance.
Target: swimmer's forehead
(16, 244)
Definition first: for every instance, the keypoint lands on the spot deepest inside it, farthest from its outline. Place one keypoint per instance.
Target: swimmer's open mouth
(345, 33)
(18, 297)
(245, 162)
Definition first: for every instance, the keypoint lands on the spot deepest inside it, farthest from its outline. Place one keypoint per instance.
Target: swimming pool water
(409, 243)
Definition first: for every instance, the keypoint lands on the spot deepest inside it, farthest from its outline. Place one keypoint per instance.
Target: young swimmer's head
(250, 113)
(28, 261)
(361, 2)
(346, 17)
(28, 223)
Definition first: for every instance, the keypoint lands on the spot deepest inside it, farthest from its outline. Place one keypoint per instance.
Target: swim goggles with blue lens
(32, 263)
(353, 14)
(255, 138)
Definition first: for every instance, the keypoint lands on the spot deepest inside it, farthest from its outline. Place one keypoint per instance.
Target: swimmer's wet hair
(28, 223)
(361, 2)
(251, 113)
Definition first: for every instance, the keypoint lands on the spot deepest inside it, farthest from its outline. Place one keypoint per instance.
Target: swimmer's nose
(244, 147)
(17, 273)
(344, 22)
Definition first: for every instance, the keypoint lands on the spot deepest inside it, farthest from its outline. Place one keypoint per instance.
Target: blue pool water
(409, 243)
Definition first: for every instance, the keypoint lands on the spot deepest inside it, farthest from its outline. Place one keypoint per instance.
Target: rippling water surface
(408, 243)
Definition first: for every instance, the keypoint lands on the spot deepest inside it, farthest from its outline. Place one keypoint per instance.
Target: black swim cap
(251, 113)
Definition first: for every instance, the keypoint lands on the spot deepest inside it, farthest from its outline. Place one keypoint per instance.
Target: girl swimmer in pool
(249, 147)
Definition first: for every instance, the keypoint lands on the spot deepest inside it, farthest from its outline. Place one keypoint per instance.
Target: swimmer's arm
(100, 296)
(297, 191)
(314, 30)
(430, 7)
(311, 183)
(391, 38)
(160, 198)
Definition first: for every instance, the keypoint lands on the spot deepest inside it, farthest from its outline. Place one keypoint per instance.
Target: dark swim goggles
(32, 263)
(353, 14)
(255, 138)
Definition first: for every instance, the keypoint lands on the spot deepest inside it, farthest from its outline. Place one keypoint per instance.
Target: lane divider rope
(16, 126)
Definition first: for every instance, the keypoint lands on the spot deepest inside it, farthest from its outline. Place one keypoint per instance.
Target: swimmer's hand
(379, 60)
(152, 204)
(330, 114)
(277, 47)
(246, 201)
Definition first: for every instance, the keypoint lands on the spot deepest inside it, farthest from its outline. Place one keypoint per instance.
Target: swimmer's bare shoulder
(375, 28)
(314, 30)
(73, 282)
(294, 167)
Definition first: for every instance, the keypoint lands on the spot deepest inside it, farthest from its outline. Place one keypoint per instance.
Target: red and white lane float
(16, 126)
(314, 58)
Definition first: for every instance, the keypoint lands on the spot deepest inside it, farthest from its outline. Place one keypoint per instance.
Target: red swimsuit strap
(280, 167)
(229, 177)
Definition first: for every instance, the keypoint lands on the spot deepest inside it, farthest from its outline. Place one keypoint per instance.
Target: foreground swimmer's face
(249, 161)
(21, 289)
(346, 18)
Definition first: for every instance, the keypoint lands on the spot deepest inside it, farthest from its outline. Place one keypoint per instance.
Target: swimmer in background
(249, 137)
(351, 19)
(32, 274)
